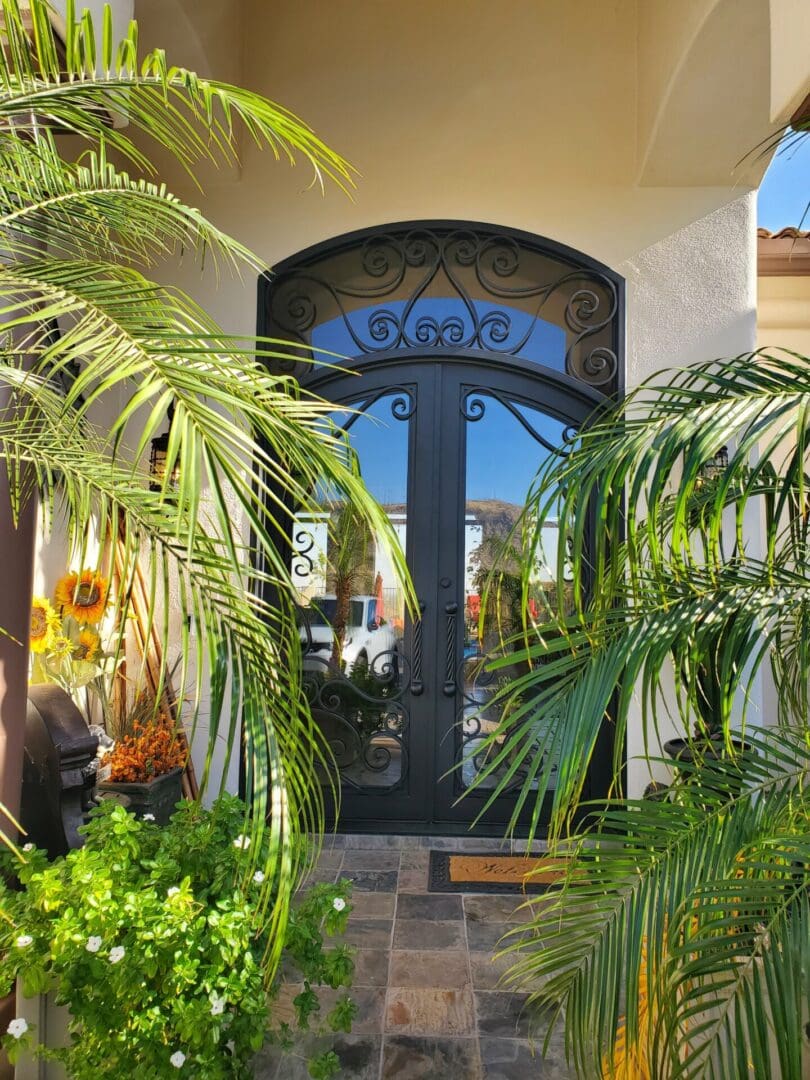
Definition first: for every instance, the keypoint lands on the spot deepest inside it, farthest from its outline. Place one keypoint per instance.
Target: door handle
(417, 685)
(450, 612)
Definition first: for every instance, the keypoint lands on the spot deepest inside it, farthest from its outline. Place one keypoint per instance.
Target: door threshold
(380, 840)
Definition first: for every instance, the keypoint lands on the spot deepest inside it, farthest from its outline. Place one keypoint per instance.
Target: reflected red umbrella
(378, 592)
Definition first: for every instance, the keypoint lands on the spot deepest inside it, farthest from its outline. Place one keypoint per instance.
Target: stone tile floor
(430, 999)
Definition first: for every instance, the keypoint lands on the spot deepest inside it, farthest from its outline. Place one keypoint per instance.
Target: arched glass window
(445, 288)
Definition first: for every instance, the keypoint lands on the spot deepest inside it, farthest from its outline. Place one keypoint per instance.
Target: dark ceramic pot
(698, 749)
(158, 797)
(723, 772)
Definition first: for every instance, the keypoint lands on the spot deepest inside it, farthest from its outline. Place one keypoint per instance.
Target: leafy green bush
(156, 939)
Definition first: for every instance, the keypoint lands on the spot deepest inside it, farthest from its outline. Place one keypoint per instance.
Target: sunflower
(88, 647)
(45, 625)
(84, 596)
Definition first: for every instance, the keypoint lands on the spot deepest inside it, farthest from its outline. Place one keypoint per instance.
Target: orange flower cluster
(152, 750)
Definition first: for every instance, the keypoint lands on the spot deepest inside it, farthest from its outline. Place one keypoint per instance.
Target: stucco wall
(783, 313)
(692, 297)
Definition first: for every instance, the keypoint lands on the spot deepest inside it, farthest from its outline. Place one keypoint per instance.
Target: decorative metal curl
(403, 407)
(473, 408)
(362, 725)
(302, 562)
(598, 367)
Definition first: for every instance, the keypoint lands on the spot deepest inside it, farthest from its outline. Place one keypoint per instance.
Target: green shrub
(156, 938)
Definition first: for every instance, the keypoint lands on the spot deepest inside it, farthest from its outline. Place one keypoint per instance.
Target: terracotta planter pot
(158, 796)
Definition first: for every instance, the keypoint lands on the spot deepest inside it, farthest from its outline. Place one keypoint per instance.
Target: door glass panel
(436, 321)
(506, 443)
(351, 608)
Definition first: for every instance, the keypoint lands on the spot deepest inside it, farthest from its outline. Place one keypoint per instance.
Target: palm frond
(91, 209)
(193, 118)
(250, 647)
(252, 447)
(701, 886)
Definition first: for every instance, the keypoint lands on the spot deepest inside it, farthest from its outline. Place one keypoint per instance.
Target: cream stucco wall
(790, 33)
(692, 298)
(553, 118)
(783, 313)
(783, 322)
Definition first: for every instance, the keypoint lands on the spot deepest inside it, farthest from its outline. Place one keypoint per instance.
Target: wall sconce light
(158, 454)
(715, 466)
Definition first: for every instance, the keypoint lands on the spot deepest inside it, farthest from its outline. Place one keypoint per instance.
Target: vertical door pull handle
(449, 688)
(417, 685)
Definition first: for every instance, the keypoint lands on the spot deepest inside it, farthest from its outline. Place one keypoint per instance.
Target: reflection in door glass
(351, 608)
(506, 443)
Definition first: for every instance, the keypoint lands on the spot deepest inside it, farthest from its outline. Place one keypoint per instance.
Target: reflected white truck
(366, 638)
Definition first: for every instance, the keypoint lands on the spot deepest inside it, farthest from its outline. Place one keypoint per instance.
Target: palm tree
(691, 910)
(248, 444)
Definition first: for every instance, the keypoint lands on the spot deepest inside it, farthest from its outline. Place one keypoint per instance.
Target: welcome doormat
(487, 873)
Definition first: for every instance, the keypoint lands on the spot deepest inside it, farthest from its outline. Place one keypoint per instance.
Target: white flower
(173, 891)
(17, 1027)
(242, 842)
(338, 903)
(258, 877)
(148, 817)
(116, 954)
(217, 1006)
(178, 1059)
(93, 943)
(28, 847)
(23, 941)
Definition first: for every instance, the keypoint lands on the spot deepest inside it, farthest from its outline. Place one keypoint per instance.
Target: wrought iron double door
(449, 446)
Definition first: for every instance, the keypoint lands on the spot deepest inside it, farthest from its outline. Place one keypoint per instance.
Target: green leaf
(324, 1065)
(341, 1017)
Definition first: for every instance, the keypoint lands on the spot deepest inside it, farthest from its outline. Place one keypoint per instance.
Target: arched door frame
(564, 394)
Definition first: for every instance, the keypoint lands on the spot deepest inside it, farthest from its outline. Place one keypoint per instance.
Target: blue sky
(785, 190)
(502, 458)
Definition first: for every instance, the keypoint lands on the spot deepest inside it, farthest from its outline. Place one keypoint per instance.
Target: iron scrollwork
(303, 563)
(473, 408)
(361, 713)
(501, 287)
(403, 406)
(479, 718)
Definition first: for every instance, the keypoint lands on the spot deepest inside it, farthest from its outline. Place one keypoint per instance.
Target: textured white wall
(691, 297)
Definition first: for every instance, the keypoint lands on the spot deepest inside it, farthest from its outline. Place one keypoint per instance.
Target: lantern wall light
(158, 455)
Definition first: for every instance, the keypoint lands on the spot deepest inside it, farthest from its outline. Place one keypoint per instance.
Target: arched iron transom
(439, 288)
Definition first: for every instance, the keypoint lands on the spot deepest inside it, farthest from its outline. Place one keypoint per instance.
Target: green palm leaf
(85, 402)
(703, 894)
(703, 882)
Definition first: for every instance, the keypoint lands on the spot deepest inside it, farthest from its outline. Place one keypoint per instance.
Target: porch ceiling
(630, 92)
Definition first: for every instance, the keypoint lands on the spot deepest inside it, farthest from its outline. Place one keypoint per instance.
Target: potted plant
(145, 768)
(709, 661)
(158, 941)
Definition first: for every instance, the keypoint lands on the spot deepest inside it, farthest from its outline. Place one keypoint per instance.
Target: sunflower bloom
(62, 647)
(89, 646)
(45, 625)
(84, 596)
